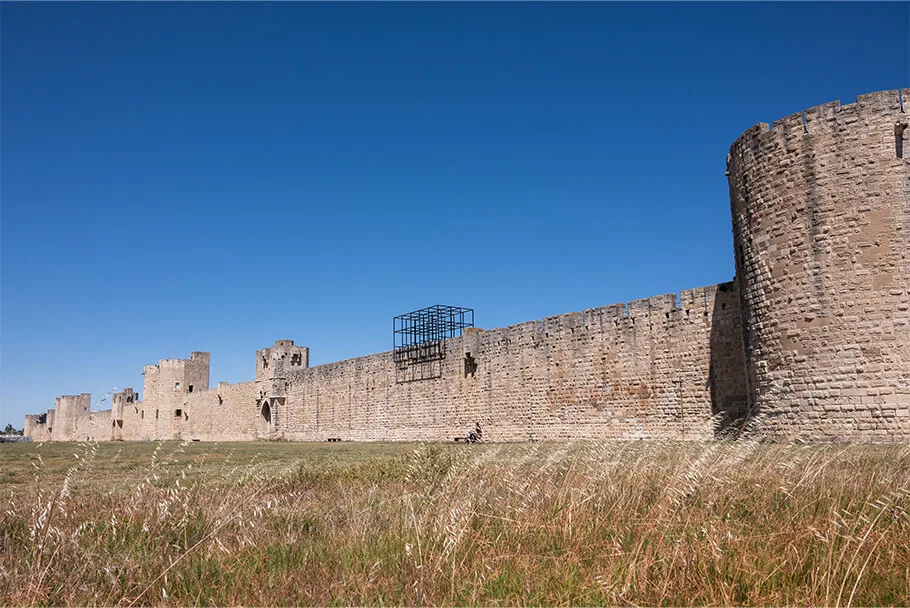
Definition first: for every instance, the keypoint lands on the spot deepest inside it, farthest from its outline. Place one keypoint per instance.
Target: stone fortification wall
(124, 410)
(179, 405)
(93, 426)
(281, 360)
(68, 408)
(227, 413)
(811, 341)
(821, 220)
(168, 387)
(71, 420)
(648, 369)
(36, 427)
(658, 367)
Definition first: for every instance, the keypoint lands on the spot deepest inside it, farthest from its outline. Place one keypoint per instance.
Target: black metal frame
(419, 336)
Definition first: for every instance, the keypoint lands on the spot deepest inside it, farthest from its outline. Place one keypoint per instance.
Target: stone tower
(166, 389)
(170, 379)
(276, 366)
(68, 408)
(281, 360)
(821, 227)
(121, 403)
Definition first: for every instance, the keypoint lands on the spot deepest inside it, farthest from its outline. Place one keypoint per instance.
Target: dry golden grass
(639, 523)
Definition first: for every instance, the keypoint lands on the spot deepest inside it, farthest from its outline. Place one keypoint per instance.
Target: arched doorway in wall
(267, 420)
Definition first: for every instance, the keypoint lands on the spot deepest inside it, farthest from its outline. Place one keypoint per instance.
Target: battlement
(122, 400)
(689, 305)
(281, 360)
(82, 399)
(825, 118)
(126, 396)
(176, 377)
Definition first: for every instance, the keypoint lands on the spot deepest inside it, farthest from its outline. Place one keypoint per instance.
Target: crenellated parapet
(281, 360)
(821, 222)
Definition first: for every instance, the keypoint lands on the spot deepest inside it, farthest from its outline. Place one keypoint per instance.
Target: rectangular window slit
(899, 129)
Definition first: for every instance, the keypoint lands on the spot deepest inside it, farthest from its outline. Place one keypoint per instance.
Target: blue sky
(217, 176)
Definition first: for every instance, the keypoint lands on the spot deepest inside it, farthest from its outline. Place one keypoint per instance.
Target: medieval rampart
(669, 366)
(643, 370)
(821, 220)
(811, 340)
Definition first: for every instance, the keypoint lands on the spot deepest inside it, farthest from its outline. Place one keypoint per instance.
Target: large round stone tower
(821, 227)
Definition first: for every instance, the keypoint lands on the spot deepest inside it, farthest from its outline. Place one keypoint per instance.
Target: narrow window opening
(899, 129)
(142, 415)
(470, 365)
(220, 400)
(178, 413)
(190, 389)
(156, 414)
(265, 362)
(176, 385)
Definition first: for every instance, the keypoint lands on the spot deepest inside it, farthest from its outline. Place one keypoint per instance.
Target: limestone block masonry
(810, 341)
(821, 224)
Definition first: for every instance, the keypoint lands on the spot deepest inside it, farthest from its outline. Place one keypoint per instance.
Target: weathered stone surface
(821, 222)
(811, 341)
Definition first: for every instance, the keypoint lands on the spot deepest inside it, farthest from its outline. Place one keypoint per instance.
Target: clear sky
(216, 176)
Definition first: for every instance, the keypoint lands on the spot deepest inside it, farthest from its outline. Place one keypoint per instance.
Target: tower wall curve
(821, 223)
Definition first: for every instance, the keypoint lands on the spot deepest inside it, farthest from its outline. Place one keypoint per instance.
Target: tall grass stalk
(653, 523)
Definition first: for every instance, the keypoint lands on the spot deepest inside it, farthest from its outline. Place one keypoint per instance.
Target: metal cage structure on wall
(419, 336)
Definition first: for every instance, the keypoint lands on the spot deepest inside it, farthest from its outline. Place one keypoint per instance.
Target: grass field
(638, 523)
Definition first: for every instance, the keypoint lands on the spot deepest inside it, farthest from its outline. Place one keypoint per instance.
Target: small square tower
(281, 360)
